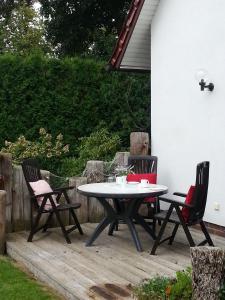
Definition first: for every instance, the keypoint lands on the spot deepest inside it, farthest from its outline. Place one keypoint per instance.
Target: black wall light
(202, 78)
(204, 86)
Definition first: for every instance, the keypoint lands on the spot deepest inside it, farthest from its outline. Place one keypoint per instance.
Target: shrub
(153, 289)
(164, 288)
(182, 288)
(221, 293)
(100, 145)
(71, 96)
(46, 149)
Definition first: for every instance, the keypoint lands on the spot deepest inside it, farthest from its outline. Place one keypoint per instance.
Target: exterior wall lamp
(202, 78)
(204, 86)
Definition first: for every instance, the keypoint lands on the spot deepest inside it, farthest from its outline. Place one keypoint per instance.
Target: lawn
(16, 284)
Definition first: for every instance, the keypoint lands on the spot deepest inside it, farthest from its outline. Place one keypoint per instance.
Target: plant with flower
(44, 147)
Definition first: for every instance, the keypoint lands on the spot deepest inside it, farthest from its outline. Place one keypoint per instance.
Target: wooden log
(75, 197)
(139, 143)
(21, 203)
(121, 158)
(208, 272)
(94, 172)
(17, 199)
(2, 221)
(6, 172)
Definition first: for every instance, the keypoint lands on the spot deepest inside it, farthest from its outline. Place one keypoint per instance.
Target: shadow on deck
(107, 270)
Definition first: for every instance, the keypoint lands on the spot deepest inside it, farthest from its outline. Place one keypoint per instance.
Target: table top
(114, 190)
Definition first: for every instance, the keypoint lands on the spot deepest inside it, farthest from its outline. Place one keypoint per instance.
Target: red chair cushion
(151, 177)
(185, 210)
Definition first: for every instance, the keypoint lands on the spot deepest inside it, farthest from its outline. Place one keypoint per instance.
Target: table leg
(110, 218)
(101, 226)
(140, 220)
(134, 234)
(119, 207)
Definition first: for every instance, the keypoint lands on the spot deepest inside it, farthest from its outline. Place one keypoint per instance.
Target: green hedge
(69, 96)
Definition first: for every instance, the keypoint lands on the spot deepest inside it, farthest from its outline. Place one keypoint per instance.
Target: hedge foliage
(71, 96)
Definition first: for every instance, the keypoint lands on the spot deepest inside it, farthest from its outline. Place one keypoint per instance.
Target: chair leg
(62, 226)
(158, 210)
(47, 222)
(185, 227)
(112, 227)
(34, 226)
(173, 234)
(206, 233)
(154, 225)
(162, 229)
(76, 221)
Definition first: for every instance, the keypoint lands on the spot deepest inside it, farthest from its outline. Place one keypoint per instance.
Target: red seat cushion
(185, 210)
(151, 177)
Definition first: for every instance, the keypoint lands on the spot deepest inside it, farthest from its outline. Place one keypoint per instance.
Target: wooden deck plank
(105, 270)
(126, 251)
(76, 259)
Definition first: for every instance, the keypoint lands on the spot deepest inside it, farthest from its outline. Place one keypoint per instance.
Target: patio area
(107, 270)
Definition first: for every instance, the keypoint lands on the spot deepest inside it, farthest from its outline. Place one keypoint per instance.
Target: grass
(15, 284)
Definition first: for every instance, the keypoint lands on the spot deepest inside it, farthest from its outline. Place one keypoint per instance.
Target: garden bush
(164, 288)
(54, 156)
(100, 145)
(72, 96)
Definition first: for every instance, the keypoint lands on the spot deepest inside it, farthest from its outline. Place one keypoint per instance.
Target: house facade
(187, 45)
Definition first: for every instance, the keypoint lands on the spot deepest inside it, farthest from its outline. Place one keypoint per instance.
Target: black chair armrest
(64, 189)
(174, 202)
(180, 194)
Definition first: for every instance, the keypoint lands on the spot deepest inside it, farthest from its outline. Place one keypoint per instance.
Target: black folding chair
(32, 173)
(143, 164)
(196, 211)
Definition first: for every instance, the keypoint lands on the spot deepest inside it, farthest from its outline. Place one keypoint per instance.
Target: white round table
(127, 213)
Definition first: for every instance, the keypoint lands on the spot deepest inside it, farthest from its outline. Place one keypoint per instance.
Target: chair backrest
(200, 193)
(31, 172)
(143, 163)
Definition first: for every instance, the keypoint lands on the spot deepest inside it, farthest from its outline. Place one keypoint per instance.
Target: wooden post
(94, 173)
(82, 213)
(208, 272)
(121, 158)
(2, 221)
(6, 171)
(139, 143)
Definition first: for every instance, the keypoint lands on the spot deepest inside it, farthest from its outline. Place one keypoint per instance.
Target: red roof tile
(125, 34)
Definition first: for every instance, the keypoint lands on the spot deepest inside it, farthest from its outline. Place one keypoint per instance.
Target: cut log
(6, 171)
(94, 172)
(121, 158)
(208, 272)
(139, 143)
(2, 221)
(82, 212)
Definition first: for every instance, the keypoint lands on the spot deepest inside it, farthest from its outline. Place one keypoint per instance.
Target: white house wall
(137, 54)
(188, 125)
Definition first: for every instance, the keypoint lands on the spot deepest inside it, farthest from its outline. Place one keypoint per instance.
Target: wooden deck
(106, 270)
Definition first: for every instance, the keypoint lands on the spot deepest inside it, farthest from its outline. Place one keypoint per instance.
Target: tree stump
(139, 143)
(6, 171)
(2, 221)
(208, 272)
(76, 197)
(121, 158)
(94, 172)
